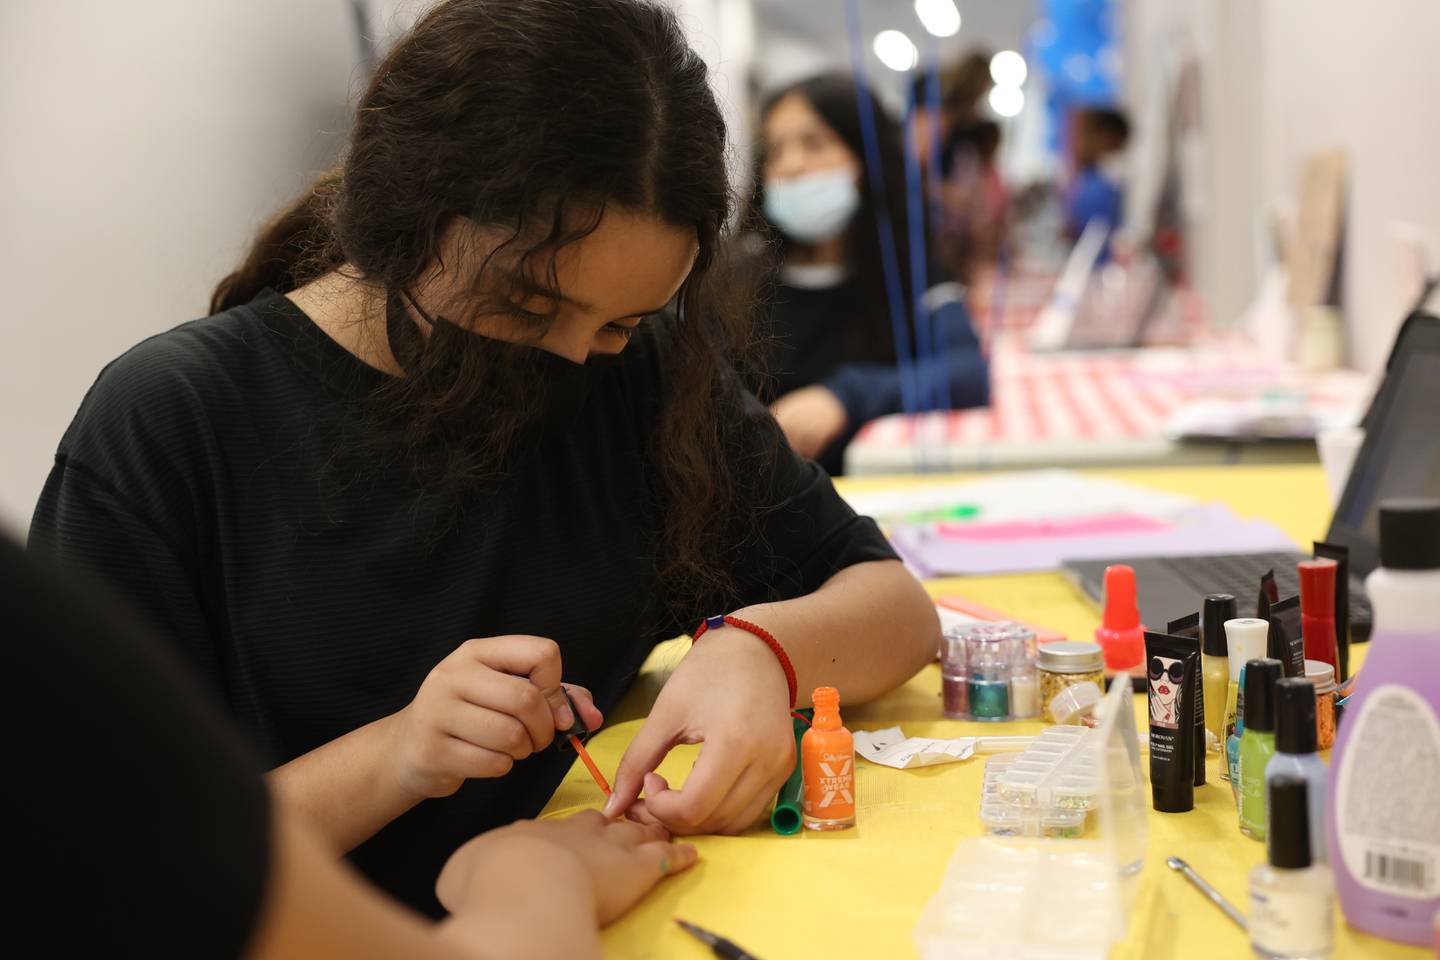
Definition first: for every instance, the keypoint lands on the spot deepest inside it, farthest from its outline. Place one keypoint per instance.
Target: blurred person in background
(1098, 137)
(969, 201)
(833, 358)
(964, 87)
(938, 128)
(975, 202)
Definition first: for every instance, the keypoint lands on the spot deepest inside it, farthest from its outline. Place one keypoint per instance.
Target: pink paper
(1109, 524)
(1204, 529)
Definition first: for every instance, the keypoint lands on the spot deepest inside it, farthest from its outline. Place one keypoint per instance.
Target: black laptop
(1400, 457)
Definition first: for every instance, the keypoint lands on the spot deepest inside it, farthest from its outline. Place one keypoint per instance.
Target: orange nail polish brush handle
(572, 737)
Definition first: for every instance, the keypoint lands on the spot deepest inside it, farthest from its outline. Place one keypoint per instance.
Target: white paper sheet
(891, 748)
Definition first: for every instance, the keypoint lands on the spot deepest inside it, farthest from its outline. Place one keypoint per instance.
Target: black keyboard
(1222, 571)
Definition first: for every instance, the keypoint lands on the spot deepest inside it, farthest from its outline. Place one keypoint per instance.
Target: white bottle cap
(1245, 637)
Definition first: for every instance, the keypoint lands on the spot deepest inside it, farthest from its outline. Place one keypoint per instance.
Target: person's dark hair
(919, 91)
(532, 116)
(962, 84)
(1110, 125)
(986, 137)
(833, 97)
(965, 83)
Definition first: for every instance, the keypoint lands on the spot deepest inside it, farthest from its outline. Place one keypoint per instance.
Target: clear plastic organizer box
(1047, 791)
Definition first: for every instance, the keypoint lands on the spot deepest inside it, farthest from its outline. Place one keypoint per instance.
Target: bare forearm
(344, 790)
(866, 631)
(527, 912)
(316, 906)
(539, 930)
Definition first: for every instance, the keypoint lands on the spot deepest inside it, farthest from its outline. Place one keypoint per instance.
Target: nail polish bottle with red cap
(1121, 635)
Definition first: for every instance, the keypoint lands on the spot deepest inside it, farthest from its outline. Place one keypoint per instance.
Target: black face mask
(567, 387)
(562, 387)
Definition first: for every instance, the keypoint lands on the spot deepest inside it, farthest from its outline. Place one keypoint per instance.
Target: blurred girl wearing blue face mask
(832, 361)
(814, 208)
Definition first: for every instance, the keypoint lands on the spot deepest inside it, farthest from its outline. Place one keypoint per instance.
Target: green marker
(961, 511)
(785, 818)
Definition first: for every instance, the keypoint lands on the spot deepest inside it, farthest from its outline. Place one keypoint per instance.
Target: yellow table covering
(858, 893)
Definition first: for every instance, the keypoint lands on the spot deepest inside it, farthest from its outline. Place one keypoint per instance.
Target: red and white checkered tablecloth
(1079, 407)
(1066, 396)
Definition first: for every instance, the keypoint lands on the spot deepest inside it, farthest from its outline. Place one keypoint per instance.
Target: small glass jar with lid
(988, 668)
(1322, 675)
(1024, 678)
(953, 680)
(1065, 669)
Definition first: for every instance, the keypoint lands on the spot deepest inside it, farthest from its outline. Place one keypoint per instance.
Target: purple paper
(1204, 529)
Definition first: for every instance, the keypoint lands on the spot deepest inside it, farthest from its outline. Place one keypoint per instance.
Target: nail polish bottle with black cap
(1291, 896)
(1296, 754)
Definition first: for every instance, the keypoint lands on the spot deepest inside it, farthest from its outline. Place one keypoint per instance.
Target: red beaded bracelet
(711, 623)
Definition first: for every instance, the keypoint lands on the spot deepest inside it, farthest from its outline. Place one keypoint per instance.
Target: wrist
(522, 898)
(738, 634)
(395, 774)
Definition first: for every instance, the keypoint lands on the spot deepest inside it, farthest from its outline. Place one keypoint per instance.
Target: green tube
(785, 818)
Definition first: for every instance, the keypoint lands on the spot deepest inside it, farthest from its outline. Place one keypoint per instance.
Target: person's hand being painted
(604, 865)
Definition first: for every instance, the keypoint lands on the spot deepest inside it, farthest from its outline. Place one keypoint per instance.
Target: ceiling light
(896, 50)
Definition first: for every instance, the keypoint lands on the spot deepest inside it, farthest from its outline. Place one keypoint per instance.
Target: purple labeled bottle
(1384, 804)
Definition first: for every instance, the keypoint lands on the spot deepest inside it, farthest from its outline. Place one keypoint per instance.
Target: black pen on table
(718, 945)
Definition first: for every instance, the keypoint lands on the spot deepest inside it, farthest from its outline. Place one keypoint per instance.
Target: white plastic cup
(1338, 446)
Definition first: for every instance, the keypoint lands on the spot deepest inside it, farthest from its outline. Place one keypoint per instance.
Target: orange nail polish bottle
(827, 756)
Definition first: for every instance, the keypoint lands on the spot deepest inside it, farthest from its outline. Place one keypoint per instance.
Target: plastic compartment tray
(1047, 791)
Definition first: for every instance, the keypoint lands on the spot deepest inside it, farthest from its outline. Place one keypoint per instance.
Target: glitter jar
(953, 681)
(995, 654)
(1068, 664)
(1024, 679)
(1322, 675)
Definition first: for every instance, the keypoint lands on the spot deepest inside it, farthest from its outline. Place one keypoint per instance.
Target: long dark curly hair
(532, 116)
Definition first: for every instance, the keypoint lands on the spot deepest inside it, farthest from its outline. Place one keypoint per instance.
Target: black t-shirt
(814, 330)
(136, 822)
(826, 335)
(202, 477)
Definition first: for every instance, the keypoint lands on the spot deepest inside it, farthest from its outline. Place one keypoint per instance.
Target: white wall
(140, 145)
(1365, 77)
(1283, 79)
(723, 32)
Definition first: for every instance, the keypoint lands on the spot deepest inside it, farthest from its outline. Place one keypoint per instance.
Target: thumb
(584, 703)
(643, 755)
(560, 706)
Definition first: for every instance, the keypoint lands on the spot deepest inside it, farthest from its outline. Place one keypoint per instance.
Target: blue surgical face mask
(812, 208)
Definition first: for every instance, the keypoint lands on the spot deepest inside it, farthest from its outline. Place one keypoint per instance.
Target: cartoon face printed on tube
(1166, 677)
